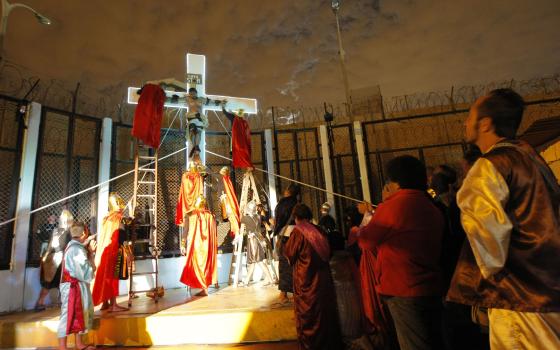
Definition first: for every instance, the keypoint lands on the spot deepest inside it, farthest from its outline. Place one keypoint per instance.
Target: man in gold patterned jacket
(509, 205)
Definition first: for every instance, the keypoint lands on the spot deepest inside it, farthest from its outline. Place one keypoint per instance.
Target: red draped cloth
(147, 117)
(75, 319)
(377, 317)
(201, 267)
(314, 297)
(241, 143)
(231, 199)
(191, 187)
(106, 284)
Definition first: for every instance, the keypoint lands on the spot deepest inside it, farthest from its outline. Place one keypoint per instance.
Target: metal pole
(276, 149)
(6, 9)
(343, 67)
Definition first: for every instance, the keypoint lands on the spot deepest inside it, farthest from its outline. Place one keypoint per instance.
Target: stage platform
(227, 316)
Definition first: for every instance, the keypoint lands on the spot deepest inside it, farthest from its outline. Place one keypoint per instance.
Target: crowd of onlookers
(451, 258)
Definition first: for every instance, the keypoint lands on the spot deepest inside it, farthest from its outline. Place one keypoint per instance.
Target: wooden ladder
(145, 236)
(237, 258)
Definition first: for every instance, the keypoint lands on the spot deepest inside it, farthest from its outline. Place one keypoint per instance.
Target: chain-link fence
(427, 125)
(346, 173)
(11, 130)
(169, 176)
(67, 162)
(298, 156)
(435, 138)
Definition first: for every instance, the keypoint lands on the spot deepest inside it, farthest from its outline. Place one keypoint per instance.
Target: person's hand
(92, 246)
(236, 239)
(364, 207)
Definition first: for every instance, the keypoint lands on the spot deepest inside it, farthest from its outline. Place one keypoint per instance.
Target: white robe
(78, 266)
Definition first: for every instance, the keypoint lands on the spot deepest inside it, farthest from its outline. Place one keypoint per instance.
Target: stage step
(228, 316)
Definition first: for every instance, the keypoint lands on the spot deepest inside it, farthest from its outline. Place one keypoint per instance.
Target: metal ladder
(237, 258)
(144, 197)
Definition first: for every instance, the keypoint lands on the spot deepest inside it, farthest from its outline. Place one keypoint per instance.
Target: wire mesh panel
(67, 162)
(170, 171)
(300, 158)
(10, 157)
(346, 174)
(435, 140)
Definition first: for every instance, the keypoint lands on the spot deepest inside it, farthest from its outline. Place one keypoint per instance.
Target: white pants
(514, 330)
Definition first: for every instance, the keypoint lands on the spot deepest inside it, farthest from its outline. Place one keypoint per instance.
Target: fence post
(360, 150)
(325, 154)
(270, 168)
(23, 207)
(104, 170)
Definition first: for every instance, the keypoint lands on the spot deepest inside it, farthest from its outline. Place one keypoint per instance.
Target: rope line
(89, 188)
(292, 180)
(165, 157)
(283, 177)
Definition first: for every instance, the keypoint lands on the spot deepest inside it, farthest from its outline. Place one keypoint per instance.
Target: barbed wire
(111, 101)
(376, 107)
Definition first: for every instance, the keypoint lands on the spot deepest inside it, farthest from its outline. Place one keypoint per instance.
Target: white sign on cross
(195, 77)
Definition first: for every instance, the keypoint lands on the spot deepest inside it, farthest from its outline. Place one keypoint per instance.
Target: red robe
(191, 187)
(201, 267)
(106, 284)
(147, 117)
(314, 296)
(231, 199)
(241, 143)
(377, 317)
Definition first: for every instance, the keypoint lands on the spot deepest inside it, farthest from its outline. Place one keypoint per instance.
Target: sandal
(41, 307)
(281, 303)
(87, 347)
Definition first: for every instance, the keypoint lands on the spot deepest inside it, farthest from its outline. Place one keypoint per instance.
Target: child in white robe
(78, 268)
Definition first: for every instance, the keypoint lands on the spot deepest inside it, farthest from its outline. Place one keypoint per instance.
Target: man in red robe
(230, 206)
(201, 268)
(403, 243)
(308, 252)
(106, 284)
(192, 187)
(240, 140)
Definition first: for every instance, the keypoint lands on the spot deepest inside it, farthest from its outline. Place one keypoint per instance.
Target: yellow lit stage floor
(227, 316)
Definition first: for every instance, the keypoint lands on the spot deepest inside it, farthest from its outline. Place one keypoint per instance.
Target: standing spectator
(51, 260)
(327, 223)
(509, 205)
(283, 217)
(353, 218)
(443, 184)
(308, 253)
(267, 230)
(44, 233)
(472, 153)
(459, 331)
(405, 233)
(256, 244)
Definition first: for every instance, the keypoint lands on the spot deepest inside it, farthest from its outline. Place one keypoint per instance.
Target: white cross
(195, 77)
